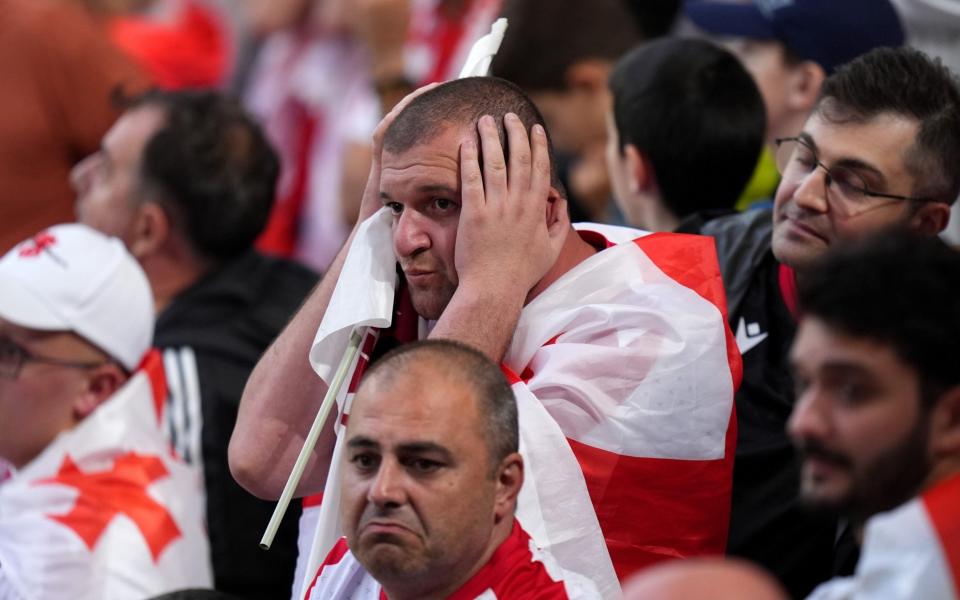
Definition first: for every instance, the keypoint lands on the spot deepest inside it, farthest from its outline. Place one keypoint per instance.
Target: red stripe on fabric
(363, 360)
(691, 261)
(311, 501)
(655, 509)
(152, 366)
(788, 290)
(595, 239)
(512, 377)
(943, 507)
(279, 236)
(512, 572)
(339, 550)
(445, 40)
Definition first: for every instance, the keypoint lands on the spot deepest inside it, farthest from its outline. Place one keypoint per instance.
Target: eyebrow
(413, 447)
(848, 162)
(835, 368)
(431, 188)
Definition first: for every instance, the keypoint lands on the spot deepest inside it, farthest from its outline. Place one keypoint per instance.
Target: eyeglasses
(796, 159)
(13, 356)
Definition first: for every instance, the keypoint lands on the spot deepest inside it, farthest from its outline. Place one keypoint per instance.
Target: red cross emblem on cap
(36, 245)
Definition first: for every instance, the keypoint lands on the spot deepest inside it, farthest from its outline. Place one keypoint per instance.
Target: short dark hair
(211, 167)
(907, 83)
(693, 109)
(461, 103)
(897, 288)
(545, 37)
(498, 407)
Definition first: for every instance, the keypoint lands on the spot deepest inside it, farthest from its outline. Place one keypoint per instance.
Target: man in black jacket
(880, 150)
(187, 180)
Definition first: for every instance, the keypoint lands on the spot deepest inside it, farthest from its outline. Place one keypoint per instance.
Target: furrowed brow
(362, 442)
(424, 448)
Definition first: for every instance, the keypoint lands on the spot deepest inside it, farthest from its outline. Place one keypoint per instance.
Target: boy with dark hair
(681, 107)
(878, 151)
(561, 52)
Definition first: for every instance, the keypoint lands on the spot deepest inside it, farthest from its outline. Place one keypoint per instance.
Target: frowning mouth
(386, 528)
(417, 276)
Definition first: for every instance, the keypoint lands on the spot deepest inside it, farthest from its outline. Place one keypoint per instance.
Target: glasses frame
(816, 161)
(24, 356)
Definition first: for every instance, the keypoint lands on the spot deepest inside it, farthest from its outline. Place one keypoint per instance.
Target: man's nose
(809, 419)
(410, 234)
(811, 193)
(387, 487)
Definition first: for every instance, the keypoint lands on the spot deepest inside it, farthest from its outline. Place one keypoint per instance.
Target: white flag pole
(356, 337)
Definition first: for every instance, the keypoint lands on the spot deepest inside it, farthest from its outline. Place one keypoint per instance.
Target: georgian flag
(910, 552)
(624, 372)
(106, 512)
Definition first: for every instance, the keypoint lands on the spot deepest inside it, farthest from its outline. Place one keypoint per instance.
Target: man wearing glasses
(97, 507)
(880, 150)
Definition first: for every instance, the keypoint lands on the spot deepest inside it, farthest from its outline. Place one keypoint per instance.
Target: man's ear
(945, 426)
(150, 231)
(557, 211)
(930, 218)
(101, 383)
(640, 169)
(803, 85)
(509, 481)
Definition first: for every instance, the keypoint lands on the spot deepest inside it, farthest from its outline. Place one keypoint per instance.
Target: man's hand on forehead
(504, 239)
(371, 193)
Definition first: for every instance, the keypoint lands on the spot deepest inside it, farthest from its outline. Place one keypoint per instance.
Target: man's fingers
(540, 157)
(494, 167)
(518, 175)
(381, 129)
(471, 182)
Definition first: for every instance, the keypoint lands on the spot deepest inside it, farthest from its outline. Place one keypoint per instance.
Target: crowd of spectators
(661, 306)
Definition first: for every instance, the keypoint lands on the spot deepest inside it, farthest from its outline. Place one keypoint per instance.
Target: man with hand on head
(429, 487)
(597, 327)
(877, 417)
(880, 150)
(97, 507)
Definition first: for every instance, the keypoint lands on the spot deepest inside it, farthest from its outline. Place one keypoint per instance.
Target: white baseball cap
(74, 278)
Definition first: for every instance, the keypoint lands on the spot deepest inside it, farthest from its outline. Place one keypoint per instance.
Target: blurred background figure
(561, 53)
(186, 179)
(684, 132)
(789, 48)
(180, 43)
(58, 70)
(704, 578)
(327, 71)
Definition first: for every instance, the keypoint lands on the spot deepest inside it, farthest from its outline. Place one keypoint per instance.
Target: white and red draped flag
(624, 371)
(910, 552)
(106, 512)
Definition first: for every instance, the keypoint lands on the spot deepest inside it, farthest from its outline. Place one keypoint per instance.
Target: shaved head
(714, 578)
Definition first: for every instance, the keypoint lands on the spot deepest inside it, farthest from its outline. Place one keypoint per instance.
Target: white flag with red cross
(106, 511)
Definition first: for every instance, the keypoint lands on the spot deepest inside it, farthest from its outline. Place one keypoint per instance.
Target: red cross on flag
(105, 512)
